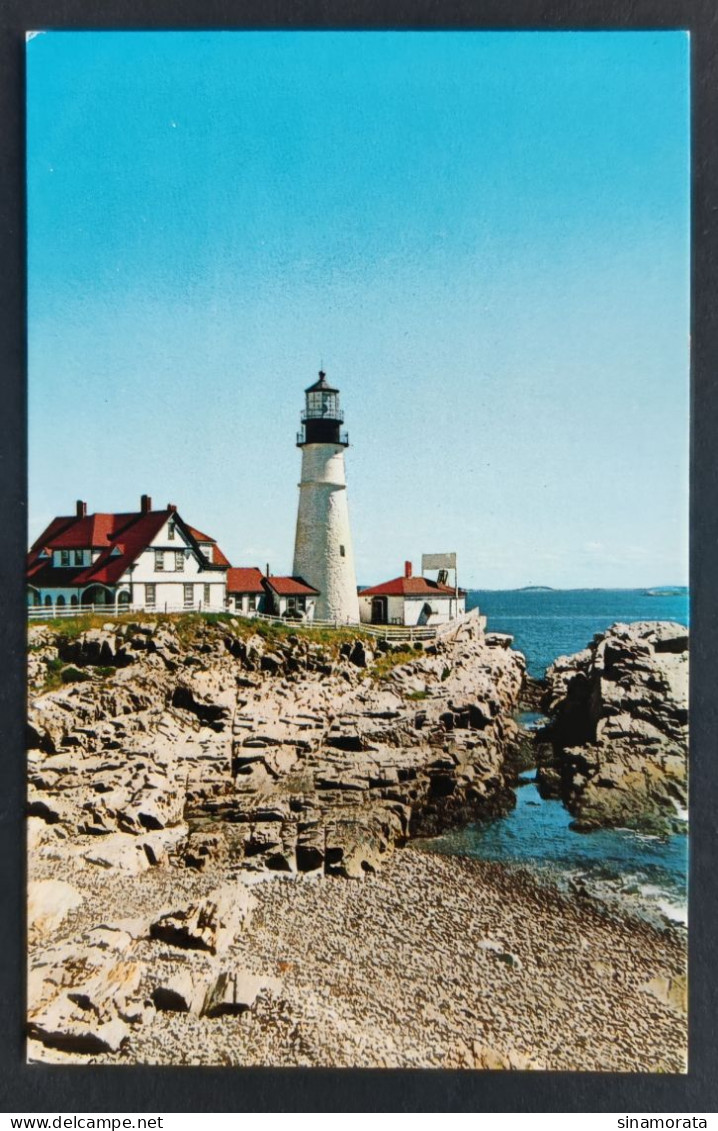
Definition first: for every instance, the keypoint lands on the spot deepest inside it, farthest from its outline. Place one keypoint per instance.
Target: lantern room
(322, 417)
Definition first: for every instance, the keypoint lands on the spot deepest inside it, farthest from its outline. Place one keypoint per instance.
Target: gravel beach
(434, 962)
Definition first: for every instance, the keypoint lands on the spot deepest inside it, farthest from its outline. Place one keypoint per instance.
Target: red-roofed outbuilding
(290, 596)
(411, 600)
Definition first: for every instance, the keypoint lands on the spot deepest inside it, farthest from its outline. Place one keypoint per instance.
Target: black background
(45, 1088)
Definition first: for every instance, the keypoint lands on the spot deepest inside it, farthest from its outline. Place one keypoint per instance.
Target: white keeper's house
(411, 600)
(149, 559)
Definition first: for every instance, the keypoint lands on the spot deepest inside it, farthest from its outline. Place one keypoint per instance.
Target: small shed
(410, 600)
(245, 590)
(290, 597)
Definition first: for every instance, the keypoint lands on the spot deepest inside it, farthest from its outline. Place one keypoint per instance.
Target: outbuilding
(246, 593)
(290, 596)
(410, 600)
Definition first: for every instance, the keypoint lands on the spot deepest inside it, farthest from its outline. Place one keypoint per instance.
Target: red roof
(91, 531)
(216, 555)
(200, 537)
(244, 579)
(218, 558)
(128, 533)
(409, 587)
(290, 586)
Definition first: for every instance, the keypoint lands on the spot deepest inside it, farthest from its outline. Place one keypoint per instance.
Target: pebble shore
(434, 962)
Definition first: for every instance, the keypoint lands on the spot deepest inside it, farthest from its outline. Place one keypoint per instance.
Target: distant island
(535, 589)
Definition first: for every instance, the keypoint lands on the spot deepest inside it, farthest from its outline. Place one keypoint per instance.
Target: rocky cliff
(618, 736)
(309, 755)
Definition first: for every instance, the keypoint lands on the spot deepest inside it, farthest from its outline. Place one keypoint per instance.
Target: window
(252, 603)
(301, 603)
(206, 595)
(179, 561)
(64, 557)
(342, 552)
(79, 557)
(171, 532)
(188, 596)
(159, 560)
(150, 596)
(291, 603)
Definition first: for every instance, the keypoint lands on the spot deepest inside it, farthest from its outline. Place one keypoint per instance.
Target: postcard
(357, 596)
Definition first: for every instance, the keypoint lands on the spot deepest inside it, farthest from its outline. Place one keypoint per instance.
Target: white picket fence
(393, 632)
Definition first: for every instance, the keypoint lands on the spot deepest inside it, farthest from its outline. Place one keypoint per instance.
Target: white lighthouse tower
(323, 553)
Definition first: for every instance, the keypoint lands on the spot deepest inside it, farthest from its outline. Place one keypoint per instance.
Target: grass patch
(52, 676)
(328, 638)
(59, 674)
(187, 626)
(418, 695)
(382, 668)
(71, 674)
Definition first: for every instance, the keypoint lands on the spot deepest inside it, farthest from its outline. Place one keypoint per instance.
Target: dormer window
(64, 557)
(79, 557)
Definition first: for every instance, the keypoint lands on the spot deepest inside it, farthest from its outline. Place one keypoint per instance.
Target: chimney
(172, 507)
(407, 569)
(267, 573)
(145, 504)
(81, 509)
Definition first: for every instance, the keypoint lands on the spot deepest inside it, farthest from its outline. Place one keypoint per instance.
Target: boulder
(210, 925)
(177, 993)
(48, 902)
(235, 991)
(619, 728)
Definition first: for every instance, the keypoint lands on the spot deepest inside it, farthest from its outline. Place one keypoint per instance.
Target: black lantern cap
(321, 386)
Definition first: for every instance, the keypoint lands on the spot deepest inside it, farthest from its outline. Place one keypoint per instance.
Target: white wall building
(146, 559)
(410, 600)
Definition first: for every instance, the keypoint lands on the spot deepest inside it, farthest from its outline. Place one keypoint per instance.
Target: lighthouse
(323, 554)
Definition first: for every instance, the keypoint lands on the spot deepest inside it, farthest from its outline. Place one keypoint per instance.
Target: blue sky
(483, 236)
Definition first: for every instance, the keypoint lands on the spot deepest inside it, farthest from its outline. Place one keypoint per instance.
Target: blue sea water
(618, 866)
(556, 622)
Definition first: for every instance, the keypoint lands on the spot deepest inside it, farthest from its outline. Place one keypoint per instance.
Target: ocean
(546, 623)
(621, 867)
